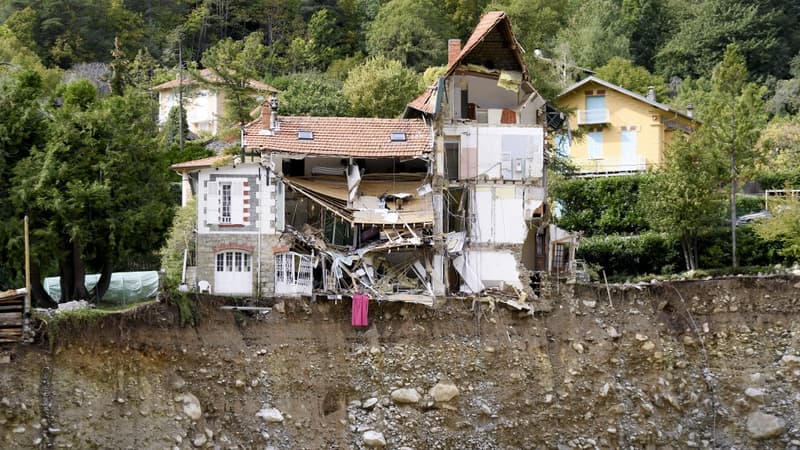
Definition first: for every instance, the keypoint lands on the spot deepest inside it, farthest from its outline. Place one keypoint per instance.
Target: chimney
(453, 50)
(651, 93)
(690, 110)
(271, 123)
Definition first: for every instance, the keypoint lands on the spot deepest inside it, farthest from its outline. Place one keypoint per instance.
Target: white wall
(203, 109)
(493, 267)
(265, 199)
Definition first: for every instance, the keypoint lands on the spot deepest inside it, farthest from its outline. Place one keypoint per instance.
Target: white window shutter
(237, 203)
(212, 202)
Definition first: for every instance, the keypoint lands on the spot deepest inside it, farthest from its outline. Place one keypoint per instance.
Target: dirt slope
(585, 375)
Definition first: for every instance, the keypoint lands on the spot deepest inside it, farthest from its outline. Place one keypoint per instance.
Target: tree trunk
(78, 273)
(105, 279)
(733, 195)
(41, 299)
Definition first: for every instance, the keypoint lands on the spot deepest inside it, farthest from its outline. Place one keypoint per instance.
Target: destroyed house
(490, 173)
(449, 200)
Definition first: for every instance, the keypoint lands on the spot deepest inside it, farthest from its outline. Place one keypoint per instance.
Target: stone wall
(208, 246)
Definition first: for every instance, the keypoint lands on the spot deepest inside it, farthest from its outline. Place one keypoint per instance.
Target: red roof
(343, 136)
(486, 25)
(210, 76)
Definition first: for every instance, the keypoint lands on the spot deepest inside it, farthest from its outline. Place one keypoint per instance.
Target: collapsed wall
(692, 364)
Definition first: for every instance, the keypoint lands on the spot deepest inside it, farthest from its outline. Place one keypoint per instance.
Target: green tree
(682, 196)
(783, 227)
(700, 41)
(623, 72)
(649, 25)
(733, 122)
(380, 87)
(233, 64)
(311, 94)
(414, 32)
(181, 239)
(595, 33)
(96, 192)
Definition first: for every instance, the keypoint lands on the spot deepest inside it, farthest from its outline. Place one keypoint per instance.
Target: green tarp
(125, 287)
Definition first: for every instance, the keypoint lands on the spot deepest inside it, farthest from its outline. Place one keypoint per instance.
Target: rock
(485, 409)
(191, 406)
(200, 440)
(373, 439)
(370, 403)
(19, 429)
(280, 307)
(444, 392)
(791, 360)
(405, 395)
(647, 346)
(177, 383)
(641, 337)
(270, 415)
(613, 333)
(578, 347)
(764, 426)
(589, 303)
(755, 394)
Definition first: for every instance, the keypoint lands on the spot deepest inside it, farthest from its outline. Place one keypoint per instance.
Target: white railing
(610, 167)
(593, 116)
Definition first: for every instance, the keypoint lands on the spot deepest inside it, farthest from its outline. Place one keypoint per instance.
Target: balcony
(593, 117)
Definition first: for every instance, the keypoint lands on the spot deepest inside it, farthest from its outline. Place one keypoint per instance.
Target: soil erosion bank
(666, 366)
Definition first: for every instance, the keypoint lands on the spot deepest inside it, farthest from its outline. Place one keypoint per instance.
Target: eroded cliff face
(720, 368)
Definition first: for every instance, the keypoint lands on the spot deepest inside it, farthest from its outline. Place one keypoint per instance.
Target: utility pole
(27, 309)
(180, 91)
(733, 189)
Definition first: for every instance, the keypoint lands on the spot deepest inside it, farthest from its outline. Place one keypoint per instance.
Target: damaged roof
(492, 45)
(342, 136)
(207, 74)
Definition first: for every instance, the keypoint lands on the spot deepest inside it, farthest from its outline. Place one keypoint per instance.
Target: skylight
(305, 135)
(398, 136)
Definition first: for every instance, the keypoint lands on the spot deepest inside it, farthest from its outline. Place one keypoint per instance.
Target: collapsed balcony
(347, 234)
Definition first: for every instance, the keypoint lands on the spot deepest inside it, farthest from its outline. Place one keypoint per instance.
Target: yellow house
(623, 131)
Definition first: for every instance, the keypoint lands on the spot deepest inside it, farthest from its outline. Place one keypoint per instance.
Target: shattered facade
(448, 201)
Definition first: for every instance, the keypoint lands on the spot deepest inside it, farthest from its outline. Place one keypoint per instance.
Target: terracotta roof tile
(343, 136)
(207, 74)
(486, 25)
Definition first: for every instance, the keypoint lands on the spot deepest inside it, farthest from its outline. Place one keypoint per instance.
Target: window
(233, 261)
(229, 262)
(629, 159)
(562, 144)
(398, 136)
(540, 244)
(595, 145)
(451, 159)
(596, 109)
(305, 135)
(225, 202)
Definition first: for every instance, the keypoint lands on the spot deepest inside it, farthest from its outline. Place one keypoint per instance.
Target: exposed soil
(675, 365)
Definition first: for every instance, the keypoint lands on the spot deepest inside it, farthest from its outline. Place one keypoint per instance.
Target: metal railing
(593, 116)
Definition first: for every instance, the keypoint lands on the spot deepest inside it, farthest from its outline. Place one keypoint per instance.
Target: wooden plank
(10, 308)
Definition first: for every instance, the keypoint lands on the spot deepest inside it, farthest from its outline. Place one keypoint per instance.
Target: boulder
(764, 426)
(444, 392)
(369, 403)
(191, 406)
(755, 393)
(405, 395)
(374, 439)
(270, 415)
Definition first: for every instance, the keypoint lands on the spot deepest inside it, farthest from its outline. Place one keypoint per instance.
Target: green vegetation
(73, 158)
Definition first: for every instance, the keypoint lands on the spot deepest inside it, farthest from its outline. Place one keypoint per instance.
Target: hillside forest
(78, 127)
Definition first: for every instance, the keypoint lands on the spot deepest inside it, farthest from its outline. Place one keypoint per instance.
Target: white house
(204, 106)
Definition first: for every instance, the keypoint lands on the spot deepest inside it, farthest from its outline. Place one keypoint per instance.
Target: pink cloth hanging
(360, 310)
